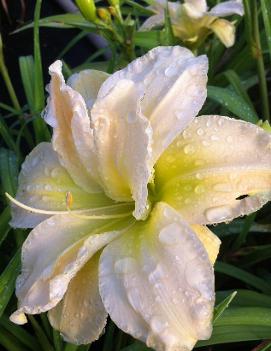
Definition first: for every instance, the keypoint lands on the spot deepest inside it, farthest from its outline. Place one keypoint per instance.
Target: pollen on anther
(69, 199)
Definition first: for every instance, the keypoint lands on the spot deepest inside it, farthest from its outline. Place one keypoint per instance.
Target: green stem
(260, 66)
(7, 80)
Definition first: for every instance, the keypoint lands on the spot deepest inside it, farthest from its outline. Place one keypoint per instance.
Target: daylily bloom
(122, 142)
(192, 22)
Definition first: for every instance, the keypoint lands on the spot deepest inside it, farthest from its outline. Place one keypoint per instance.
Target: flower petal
(66, 112)
(195, 8)
(209, 240)
(80, 316)
(52, 255)
(123, 140)
(217, 170)
(172, 86)
(157, 283)
(44, 184)
(138, 112)
(88, 83)
(153, 21)
(228, 8)
(225, 30)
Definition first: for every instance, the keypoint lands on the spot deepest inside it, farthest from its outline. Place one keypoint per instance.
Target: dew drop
(214, 138)
(199, 189)
(218, 213)
(125, 265)
(131, 117)
(200, 131)
(158, 325)
(171, 71)
(189, 149)
(170, 234)
(178, 114)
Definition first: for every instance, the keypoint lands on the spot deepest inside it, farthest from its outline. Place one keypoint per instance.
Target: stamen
(76, 213)
(69, 200)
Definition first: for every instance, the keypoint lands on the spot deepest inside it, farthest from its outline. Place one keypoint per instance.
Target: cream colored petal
(208, 170)
(209, 240)
(123, 140)
(153, 21)
(52, 255)
(228, 8)
(225, 30)
(172, 87)
(72, 139)
(88, 83)
(157, 283)
(80, 316)
(195, 8)
(44, 184)
(138, 112)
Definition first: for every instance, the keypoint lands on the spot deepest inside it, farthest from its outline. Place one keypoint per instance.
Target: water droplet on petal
(158, 325)
(189, 149)
(199, 189)
(229, 139)
(171, 70)
(170, 234)
(200, 131)
(125, 265)
(218, 213)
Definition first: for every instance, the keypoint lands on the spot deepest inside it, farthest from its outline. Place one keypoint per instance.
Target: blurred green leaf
(221, 307)
(232, 102)
(7, 280)
(248, 298)
(20, 334)
(266, 12)
(41, 336)
(8, 171)
(240, 324)
(26, 64)
(4, 227)
(242, 275)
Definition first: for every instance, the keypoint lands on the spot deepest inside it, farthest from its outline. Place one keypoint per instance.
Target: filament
(76, 213)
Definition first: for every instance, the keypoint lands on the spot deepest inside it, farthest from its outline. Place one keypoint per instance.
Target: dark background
(52, 41)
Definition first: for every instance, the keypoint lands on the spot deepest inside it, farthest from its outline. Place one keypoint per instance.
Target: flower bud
(104, 14)
(88, 9)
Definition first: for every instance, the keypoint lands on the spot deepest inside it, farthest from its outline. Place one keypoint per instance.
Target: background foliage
(238, 86)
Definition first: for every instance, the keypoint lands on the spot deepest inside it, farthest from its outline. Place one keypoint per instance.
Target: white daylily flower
(192, 22)
(126, 141)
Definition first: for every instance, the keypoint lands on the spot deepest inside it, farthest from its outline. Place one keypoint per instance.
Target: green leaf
(7, 137)
(232, 102)
(10, 343)
(240, 324)
(8, 171)
(19, 333)
(4, 227)
(221, 307)
(41, 336)
(246, 298)
(240, 274)
(148, 40)
(7, 280)
(236, 83)
(136, 346)
(67, 20)
(26, 64)
(41, 131)
(137, 8)
(266, 12)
